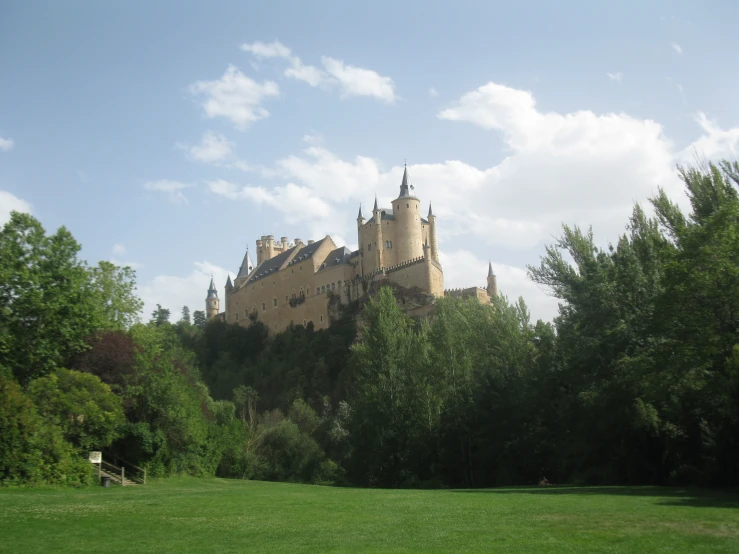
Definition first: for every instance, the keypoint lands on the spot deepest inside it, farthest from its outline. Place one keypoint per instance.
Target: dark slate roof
(307, 251)
(386, 215)
(424, 221)
(212, 289)
(354, 254)
(271, 265)
(337, 257)
(405, 186)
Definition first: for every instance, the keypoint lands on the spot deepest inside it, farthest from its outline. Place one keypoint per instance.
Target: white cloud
(463, 269)
(119, 250)
(618, 76)
(267, 50)
(173, 292)
(6, 144)
(350, 80)
(236, 97)
(173, 188)
(578, 168)
(715, 143)
(213, 147)
(676, 47)
(433, 92)
(11, 203)
(356, 81)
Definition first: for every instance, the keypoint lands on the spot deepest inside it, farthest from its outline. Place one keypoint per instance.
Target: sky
(170, 136)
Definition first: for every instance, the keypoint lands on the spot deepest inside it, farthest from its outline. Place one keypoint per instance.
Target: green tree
(160, 316)
(113, 292)
(47, 304)
(84, 407)
(198, 319)
(185, 314)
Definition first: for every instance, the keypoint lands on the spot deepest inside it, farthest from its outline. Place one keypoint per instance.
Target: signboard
(96, 457)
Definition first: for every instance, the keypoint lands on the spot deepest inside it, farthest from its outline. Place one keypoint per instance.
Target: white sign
(96, 457)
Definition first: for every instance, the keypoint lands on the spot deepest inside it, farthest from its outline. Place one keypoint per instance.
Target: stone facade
(296, 282)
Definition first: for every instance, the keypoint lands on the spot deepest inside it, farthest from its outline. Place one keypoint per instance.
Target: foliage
(32, 449)
(84, 407)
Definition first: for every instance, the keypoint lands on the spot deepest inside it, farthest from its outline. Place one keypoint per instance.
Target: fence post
(144, 476)
(123, 476)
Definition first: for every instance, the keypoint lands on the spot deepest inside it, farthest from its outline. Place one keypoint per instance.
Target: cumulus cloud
(173, 292)
(618, 76)
(6, 144)
(213, 147)
(172, 188)
(463, 269)
(715, 143)
(11, 203)
(676, 47)
(579, 168)
(235, 96)
(349, 79)
(433, 92)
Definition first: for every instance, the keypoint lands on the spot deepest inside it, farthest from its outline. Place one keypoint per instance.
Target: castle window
(301, 268)
(274, 302)
(236, 316)
(321, 317)
(262, 283)
(301, 292)
(323, 288)
(407, 205)
(388, 244)
(318, 290)
(333, 286)
(303, 323)
(273, 283)
(338, 283)
(264, 307)
(369, 246)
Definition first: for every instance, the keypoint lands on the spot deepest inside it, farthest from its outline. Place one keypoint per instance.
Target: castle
(294, 283)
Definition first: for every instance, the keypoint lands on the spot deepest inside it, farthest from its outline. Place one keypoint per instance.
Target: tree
(198, 319)
(185, 314)
(89, 414)
(160, 316)
(47, 303)
(113, 294)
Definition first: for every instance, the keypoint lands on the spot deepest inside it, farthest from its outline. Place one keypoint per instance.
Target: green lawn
(219, 515)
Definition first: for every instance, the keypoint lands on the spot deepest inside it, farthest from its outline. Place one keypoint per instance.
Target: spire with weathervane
(492, 282)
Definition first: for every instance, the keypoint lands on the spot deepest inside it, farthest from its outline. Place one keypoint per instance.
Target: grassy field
(218, 515)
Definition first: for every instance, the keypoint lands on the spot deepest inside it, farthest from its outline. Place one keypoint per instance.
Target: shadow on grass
(665, 496)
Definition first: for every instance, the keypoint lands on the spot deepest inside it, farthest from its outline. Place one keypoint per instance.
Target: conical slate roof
(490, 270)
(246, 266)
(212, 292)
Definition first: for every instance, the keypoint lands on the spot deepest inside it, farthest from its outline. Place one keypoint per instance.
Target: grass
(220, 515)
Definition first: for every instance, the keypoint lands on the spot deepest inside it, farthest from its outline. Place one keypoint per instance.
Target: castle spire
(490, 270)
(430, 212)
(212, 288)
(404, 183)
(375, 208)
(360, 216)
(246, 265)
(229, 284)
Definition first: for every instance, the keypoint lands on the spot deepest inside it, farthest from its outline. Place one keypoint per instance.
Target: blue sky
(171, 136)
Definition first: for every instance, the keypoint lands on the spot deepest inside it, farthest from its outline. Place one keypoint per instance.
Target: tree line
(636, 381)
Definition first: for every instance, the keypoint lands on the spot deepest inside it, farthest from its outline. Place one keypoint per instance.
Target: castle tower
(432, 235)
(492, 282)
(377, 235)
(211, 301)
(407, 212)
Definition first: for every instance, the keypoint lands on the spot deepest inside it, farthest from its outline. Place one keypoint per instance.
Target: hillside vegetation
(636, 382)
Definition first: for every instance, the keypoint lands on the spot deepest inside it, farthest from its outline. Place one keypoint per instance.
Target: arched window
(321, 317)
(264, 306)
(274, 302)
(407, 205)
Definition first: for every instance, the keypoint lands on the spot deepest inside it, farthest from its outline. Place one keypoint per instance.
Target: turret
(492, 282)
(432, 235)
(407, 212)
(211, 301)
(245, 269)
